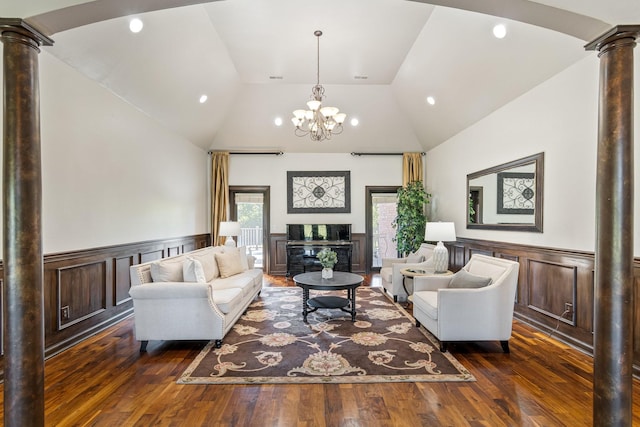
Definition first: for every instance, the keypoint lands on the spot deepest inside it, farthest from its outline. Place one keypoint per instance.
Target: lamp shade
(440, 232)
(229, 228)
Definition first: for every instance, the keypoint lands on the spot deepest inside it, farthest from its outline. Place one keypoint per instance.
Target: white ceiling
(408, 50)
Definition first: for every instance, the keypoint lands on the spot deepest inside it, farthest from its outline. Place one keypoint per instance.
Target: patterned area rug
(271, 344)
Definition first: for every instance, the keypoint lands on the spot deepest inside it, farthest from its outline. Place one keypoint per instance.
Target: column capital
(616, 33)
(20, 26)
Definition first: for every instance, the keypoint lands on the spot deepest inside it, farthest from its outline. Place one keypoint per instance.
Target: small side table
(414, 272)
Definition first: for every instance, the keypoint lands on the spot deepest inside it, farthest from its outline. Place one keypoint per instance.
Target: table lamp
(229, 229)
(440, 232)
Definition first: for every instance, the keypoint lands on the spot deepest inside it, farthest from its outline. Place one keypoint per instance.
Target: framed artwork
(318, 192)
(516, 193)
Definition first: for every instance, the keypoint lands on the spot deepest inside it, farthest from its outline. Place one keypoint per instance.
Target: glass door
(249, 208)
(381, 212)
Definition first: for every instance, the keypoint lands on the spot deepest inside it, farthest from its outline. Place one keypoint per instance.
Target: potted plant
(411, 218)
(328, 259)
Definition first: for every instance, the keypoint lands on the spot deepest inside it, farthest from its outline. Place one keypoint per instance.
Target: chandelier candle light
(440, 232)
(318, 122)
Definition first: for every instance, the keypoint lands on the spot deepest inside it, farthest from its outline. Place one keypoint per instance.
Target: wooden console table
(302, 255)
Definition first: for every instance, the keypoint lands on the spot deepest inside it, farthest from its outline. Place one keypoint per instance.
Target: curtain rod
(381, 154)
(273, 153)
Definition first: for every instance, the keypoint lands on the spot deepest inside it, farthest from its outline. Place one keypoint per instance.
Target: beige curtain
(219, 193)
(411, 168)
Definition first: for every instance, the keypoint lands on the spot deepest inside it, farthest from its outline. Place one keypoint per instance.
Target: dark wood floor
(105, 381)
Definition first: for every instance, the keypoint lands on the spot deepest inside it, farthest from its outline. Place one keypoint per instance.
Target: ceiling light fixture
(135, 25)
(203, 99)
(318, 122)
(499, 31)
(431, 100)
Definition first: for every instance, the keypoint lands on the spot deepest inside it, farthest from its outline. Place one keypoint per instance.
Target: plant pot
(327, 273)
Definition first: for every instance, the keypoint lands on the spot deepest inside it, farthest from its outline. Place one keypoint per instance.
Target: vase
(327, 273)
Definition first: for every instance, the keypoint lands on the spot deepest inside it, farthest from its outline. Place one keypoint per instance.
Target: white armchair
(392, 279)
(453, 308)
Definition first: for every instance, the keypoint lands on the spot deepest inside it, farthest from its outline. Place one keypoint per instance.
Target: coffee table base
(348, 305)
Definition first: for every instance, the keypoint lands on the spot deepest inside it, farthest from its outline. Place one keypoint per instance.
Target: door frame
(265, 190)
(368, 214)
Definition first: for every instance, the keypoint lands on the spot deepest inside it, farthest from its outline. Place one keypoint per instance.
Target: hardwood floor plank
(105, 381)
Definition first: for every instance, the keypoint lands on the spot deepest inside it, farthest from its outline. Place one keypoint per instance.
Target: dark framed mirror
(508, 196)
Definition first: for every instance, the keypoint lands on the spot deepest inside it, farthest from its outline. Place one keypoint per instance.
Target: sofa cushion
(464, 279)
(229, 263)
(167, 271)
(228, 299)
(427, 301)
(192, 271)
(386, 273)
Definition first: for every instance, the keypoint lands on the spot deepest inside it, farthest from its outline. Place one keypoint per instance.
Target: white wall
(110, 174)
(272, 171)
(559, 118)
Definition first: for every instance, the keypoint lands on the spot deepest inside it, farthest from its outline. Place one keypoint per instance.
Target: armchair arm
(170, 290)
(477, 313)
(388, 262)
(430, 283)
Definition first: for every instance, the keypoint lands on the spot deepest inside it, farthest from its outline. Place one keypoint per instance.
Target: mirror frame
(538, 161)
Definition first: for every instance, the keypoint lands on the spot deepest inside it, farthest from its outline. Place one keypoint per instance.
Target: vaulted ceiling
(379, 61)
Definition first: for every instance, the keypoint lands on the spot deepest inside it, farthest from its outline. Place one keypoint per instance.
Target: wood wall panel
(547, 279)
(152, 255)
(122, 279)
(94, 285)
(551, 287)
(82, 292)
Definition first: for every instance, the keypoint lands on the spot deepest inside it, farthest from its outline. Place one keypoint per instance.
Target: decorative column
(613, 341)
(23, 320)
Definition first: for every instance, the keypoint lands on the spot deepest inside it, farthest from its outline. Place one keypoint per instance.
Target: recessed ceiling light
(278, 121)
(355, 122)
(500, 31)
(203, 99)
(431, 100)
(135, 25)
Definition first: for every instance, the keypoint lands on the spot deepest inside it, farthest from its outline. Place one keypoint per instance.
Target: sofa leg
(417, 323)
(505, 346)
(395, 298)
(443, 346)
(218, 343)
(143, 346)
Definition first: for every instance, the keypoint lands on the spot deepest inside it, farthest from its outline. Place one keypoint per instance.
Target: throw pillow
(229, 263)
(192, 271)
(167, 271)
(243, 258)
(208, 262)
(414, 258)
(464, 279)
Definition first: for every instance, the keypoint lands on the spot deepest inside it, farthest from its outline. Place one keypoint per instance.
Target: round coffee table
(340, 281)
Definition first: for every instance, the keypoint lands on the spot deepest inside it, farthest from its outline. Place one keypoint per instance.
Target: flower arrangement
(327, 258)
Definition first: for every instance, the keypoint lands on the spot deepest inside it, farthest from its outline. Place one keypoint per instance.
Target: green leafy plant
(411, 218)
(327, 258)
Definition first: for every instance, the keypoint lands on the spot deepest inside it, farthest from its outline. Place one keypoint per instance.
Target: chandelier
(318, 122)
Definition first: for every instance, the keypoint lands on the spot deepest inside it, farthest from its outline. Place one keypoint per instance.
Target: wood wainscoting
(550, 280)
(87, 291)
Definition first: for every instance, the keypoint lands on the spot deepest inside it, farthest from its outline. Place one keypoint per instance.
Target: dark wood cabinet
(302, 256)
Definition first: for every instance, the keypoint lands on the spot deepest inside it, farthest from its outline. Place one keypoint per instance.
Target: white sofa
(463, 307)
(392, 279)
(198, 295)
